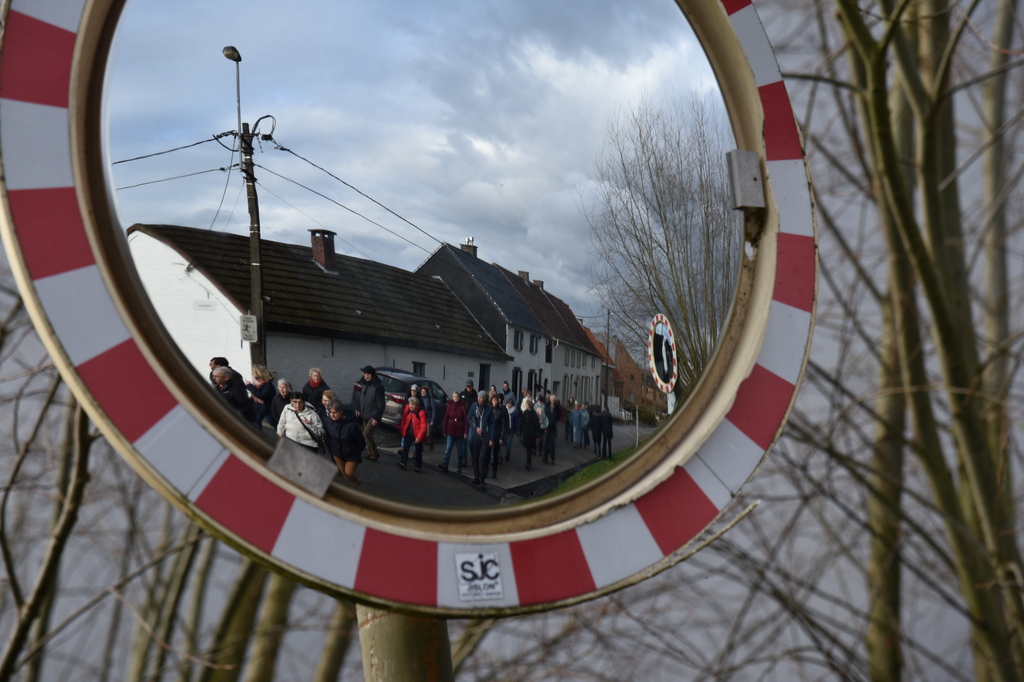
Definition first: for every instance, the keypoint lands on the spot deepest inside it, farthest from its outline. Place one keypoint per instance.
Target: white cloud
(467, 118)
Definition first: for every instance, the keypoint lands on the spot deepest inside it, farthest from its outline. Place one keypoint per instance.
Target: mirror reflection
(467, 214)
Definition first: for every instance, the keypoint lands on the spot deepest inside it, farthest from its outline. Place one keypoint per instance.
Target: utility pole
(257, 349)
(607, 355)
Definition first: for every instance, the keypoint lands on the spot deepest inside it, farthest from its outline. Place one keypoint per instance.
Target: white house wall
(523, 359)
(291, 356)
(204, 324)
(200, 319)
(577, 373)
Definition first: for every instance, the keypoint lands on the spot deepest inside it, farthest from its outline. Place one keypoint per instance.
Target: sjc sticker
(479, 576)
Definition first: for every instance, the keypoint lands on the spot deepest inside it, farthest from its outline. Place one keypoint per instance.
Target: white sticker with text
(479, 576)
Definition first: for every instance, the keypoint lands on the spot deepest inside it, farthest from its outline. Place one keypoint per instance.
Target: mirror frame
(84, 296)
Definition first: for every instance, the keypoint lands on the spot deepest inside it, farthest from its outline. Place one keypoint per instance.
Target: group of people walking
(313, 417)
(480, 427)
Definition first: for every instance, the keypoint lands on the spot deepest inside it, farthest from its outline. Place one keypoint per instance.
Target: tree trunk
(29, 609)
(200, 580)
(227, 652)
(339, 639)
(272, 624)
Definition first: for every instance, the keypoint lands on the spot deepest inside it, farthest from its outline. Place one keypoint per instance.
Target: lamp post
(257, 349)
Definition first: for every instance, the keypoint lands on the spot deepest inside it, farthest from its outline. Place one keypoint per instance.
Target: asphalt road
(434, 487)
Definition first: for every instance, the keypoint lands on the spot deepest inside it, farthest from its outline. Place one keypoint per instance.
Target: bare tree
(664, 235)
(887, 543)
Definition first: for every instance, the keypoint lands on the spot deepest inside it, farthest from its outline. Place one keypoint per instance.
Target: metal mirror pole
(401, 648)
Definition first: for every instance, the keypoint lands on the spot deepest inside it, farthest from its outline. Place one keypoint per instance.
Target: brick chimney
(323, 248)
(469, 247)
(539, 283)
(525, 276)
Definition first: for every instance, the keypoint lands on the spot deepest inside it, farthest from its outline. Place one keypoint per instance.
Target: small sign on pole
(247, 327)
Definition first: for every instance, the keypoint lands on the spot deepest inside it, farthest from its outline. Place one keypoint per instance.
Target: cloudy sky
(465, 117)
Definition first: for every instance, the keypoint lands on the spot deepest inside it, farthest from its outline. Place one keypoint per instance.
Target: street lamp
(257, 349)
(231, 52)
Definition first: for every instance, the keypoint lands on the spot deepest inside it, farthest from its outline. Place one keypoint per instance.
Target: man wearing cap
(369, 403)
(468, 396)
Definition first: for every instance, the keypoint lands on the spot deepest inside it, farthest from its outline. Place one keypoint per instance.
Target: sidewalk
(434, 487)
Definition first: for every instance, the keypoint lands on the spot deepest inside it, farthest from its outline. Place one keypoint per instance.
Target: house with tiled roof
(575, 361)
(608, 396)
(321, 309)
(500, 310)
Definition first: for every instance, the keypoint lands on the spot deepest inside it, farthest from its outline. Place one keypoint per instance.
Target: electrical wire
(227, 181)
(311, 218)
(282, 148)
(176, 177)
(215, 138)
(352, 211)
(234, 206)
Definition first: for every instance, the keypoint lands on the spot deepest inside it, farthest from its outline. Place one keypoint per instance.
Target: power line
(233, 206)
(168, 151)
(285, 201)
(338, 203)
(282, 148)
(176, 177)
(227, 181)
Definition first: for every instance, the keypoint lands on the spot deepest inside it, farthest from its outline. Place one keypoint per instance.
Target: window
(393, 385)
(517, 341)
(419, 368)
(436, 391)
(534, 343)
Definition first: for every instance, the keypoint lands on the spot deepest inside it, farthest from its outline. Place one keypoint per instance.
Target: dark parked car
(397, 384)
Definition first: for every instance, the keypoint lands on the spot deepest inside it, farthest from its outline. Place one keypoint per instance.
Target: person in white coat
(300, 423)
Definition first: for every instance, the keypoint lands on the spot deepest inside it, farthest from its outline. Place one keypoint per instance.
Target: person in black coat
(478, 429)
(468, 395)
(606, 433)
(223, 362)
(314, 389)
(368, 399)
(343, 436)
(280, 401)
(261, 392)
(496, 434)
(234, 393)
(530, 425)
(551, 435)
(596, 431)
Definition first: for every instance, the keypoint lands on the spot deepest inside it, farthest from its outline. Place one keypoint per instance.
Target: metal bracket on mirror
(302, 467)
(745, 179)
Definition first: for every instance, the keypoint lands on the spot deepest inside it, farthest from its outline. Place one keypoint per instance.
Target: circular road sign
(661, 354)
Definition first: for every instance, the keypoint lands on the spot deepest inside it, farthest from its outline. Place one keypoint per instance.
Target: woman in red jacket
(414, 431)
(454, 426)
